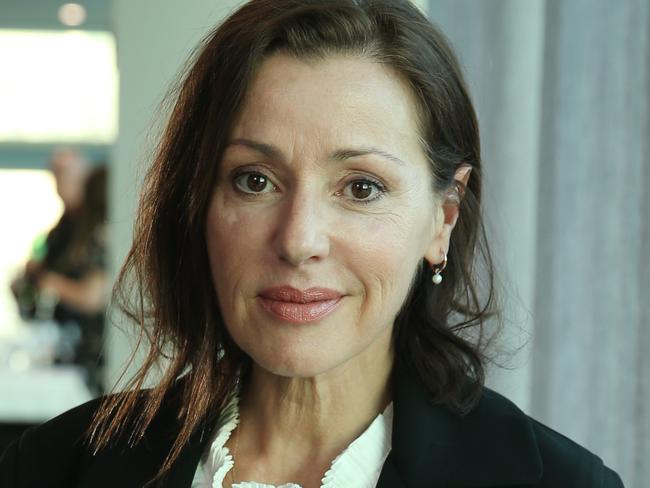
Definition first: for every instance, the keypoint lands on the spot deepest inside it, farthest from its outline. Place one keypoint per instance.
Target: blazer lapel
(390, 476)
(493, 445)
(182, 471)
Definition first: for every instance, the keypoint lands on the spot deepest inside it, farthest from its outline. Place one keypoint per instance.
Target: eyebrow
(273, 152)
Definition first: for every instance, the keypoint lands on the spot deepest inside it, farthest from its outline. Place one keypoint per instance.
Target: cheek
(231, 239)
(383, 253)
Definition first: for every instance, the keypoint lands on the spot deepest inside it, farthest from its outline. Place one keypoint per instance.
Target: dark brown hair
(167, 267)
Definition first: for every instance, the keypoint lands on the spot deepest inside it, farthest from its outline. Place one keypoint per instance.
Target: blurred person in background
(70, 169)
(66, 280)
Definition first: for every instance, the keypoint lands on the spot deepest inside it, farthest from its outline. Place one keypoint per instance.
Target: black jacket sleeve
(48, 455)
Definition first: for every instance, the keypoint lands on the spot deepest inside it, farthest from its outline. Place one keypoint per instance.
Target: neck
(309, 421)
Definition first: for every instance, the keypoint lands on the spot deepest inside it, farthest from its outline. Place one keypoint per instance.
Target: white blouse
(359, 465)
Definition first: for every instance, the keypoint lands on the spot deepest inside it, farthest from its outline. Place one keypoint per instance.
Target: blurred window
(58, 86)
(29, 208)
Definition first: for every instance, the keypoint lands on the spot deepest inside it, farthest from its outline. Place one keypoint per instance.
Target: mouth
(299, 306)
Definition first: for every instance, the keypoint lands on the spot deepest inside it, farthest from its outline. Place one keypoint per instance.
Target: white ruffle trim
(213, 468)
(254, 484)
(359, 465)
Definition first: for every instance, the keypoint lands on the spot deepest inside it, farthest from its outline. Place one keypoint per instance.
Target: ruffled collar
(359, 465)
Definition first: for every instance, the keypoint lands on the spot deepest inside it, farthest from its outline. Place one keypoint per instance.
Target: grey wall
(154, 37)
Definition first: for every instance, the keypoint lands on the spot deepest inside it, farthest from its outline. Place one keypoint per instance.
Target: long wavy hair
(165, 285)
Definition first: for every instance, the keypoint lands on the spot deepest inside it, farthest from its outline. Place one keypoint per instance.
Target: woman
(68, 284)
(307, 257)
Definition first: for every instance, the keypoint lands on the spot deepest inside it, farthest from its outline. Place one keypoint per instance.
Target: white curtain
(562, 89)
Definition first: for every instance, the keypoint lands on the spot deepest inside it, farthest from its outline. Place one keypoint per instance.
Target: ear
(447, 215)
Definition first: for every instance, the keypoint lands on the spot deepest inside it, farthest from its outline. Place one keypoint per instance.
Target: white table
(34, 395)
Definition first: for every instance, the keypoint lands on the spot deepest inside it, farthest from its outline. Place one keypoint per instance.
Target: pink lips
(299, 306)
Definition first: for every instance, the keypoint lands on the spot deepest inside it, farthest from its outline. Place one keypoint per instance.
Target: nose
(302, 233)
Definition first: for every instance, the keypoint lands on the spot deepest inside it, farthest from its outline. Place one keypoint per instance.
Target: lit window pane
(58, 86)
(29, 207)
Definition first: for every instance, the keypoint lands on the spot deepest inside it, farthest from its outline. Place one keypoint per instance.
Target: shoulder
(58, 453)
(51, 451)
(563, 461)
(494, 444)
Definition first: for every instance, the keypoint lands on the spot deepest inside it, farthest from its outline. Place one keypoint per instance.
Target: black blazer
(495, 445)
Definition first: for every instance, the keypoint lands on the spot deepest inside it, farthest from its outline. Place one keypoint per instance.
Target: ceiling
(42, 14)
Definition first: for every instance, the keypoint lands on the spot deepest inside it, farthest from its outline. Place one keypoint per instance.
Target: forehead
(324, 102)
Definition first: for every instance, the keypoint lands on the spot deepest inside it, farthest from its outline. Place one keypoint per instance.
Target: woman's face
(324, 197)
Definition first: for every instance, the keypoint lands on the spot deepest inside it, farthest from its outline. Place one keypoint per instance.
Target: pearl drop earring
(437, 277)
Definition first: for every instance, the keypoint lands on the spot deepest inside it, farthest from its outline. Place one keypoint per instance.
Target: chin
(296, 365)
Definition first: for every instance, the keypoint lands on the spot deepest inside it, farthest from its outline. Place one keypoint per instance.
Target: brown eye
(365, 191)
(256, 183)
(361, 189)
(251, 182)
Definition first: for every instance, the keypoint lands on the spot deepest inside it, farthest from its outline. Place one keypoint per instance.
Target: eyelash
(379, 186)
